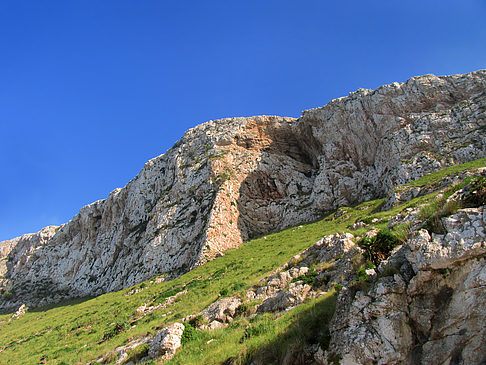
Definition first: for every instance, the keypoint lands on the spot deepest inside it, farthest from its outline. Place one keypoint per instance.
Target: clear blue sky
(92, 89)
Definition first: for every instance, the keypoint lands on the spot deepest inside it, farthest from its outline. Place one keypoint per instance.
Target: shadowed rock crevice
(274, 194)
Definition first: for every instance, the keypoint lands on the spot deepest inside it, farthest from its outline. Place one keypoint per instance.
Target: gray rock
(284, 300)
(435, 315)
(166, 342)
(223, 310)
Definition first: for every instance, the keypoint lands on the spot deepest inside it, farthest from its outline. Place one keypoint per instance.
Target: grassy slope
(71, 333)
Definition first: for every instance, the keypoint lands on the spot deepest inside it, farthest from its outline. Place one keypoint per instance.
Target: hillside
(231, 180)
(320, 293)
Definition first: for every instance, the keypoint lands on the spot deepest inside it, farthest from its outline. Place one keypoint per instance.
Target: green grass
(435, 177)
(262, 337)
(79, 331)
(73, 333)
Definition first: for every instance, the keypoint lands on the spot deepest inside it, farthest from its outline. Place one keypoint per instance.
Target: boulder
(223, 310)
(166, 342)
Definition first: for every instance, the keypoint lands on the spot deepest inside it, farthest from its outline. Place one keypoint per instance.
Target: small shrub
(247, 308)
(189, 334)
(379, 247)
(362, 275)
(308, 278)
(338, 287)
(242, 309)
(429, 210)
(477, 193)
(402, 231)
(363, 281)
(432, 214)
(434, 224)
(197, 321)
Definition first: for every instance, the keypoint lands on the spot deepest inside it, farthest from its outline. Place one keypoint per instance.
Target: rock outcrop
(229, 180)
(166, 342)
(430, 309)
(222, 310)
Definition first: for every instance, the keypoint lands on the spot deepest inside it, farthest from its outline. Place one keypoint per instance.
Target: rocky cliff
(427, 305)
(229, 180)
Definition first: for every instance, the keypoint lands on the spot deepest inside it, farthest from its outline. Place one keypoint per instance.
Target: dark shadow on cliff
(64, 303)
(267, 203)
(44, 308)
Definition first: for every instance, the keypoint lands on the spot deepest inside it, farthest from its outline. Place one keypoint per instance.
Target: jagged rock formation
(228, 180)
(427, 306)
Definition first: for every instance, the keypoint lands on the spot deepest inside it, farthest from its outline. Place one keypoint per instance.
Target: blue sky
(90, 90)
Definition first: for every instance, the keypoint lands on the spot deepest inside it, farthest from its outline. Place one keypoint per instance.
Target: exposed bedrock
(232, 179)
(426, 306)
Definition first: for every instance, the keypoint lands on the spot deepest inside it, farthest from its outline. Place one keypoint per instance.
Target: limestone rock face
(229, 180)
(434, 315)
(166, 342)
(223, 310)
(284, 300)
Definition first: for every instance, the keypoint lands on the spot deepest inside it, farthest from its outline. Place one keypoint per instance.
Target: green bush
(197, 321)
(338, 287)
(308, 278)
(477, 193)
(189, 334)
(379, 247)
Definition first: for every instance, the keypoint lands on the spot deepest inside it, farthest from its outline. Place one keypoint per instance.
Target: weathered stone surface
(283, 300)
(465, 239)
(123, 351)
(223, 310)
(433, 314)
(166, 342)
(228, 180)
(19, 313)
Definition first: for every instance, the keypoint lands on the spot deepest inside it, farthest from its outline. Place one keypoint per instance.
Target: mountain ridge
(232, 179)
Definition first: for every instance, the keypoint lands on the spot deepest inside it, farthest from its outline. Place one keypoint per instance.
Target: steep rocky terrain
(397, 280)
(229, 180)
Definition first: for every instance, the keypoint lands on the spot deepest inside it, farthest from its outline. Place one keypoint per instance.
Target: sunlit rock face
(229, 180)
(430, 310)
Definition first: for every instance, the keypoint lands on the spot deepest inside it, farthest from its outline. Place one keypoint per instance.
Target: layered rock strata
(229, 180)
